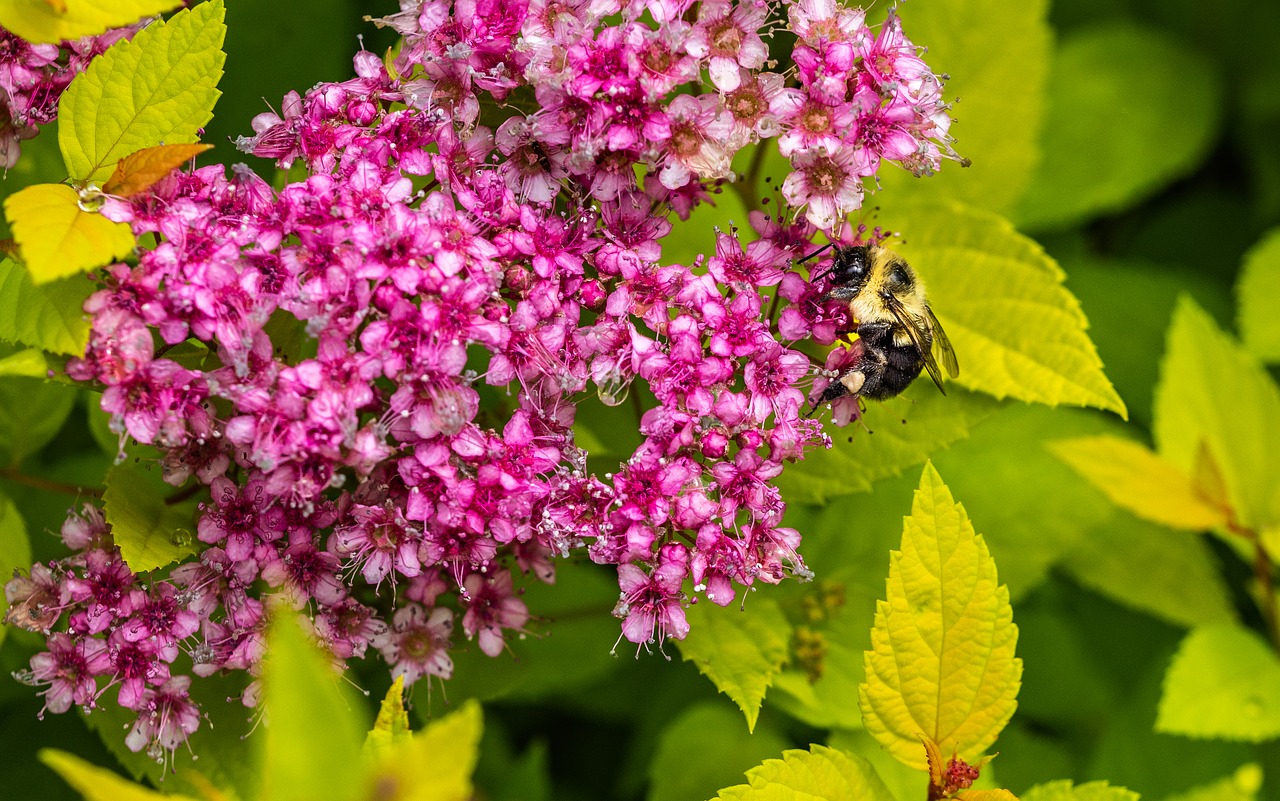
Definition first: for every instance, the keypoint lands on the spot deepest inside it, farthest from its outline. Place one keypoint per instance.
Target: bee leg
(875, 332)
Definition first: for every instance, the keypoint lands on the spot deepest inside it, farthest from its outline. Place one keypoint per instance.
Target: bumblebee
(898, 335)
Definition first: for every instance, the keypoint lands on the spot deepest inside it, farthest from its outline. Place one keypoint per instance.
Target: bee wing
(915, 326)
(942, 345)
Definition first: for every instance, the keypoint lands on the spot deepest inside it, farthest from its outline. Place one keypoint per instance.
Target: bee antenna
(817, 252)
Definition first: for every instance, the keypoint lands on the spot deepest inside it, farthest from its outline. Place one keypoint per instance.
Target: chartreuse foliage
(1017, 331)
(1258, 288)
(15, 548)
(997, 54)
(740, 653)
(301, 760)
(149, 532)
(820, 772)
(1137, 479)
(941, 664)
(1065, 790)
(157, 89)
(56, 20)
(1224, 682)
(60, 236)
(46, 316)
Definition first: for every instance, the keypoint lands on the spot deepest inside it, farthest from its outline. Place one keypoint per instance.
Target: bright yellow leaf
(57, 237)
(392, 725)
(434, 764)
(942, 662)
(1136, 478)
(820, 772)
(55, 20)
(140, 171)
(99, 784)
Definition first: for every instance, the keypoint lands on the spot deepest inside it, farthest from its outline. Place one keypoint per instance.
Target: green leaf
(149, 533)
(1064, 790)
(50, 316)
(902, 435)
(57, 237)
(32, 412)
(303, 761)
(1216, 402)
(1258, 288)
(1033, 508)
(1160, 101)
(15, 550)
(722, 759)
(1223, 683)
(1136, 479)
(158, 88)
(52, 21)
(845, 543)
(392, 724)
(436, 764)
(1179, 580)
(577, 609)
(1017, 331)
(739, 649)
(29, 363)
(997, 54)
(99, 784)
(820, 772)
(1243, 785)
(1129, 334)
(942, 661)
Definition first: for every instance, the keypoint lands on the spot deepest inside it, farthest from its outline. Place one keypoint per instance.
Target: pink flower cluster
(394, 348)
(34, 76)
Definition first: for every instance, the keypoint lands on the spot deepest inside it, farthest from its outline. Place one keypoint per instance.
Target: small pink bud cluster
(377, 370)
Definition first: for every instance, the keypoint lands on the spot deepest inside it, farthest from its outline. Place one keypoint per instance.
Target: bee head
(849, 270)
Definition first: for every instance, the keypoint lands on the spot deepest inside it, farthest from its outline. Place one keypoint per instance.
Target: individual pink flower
(727, 37)
(826, 186)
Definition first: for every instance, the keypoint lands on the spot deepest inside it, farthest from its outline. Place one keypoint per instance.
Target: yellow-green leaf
(1018, 332)
(820, 772)
(1243, 785)
(44, 21)
(985, 795)
(99, 784)
(1216, 405)
(1137, 479)
(15, 550)
(898, 435)
(392, 724)
(29, 363)
(435, 764)
(997, 54)
(303, 761)
(942, 661)
(158, 88)
(57, 237)
(1179, 581)
(1064, 790)
(50, 316)
(722, 759)
(139, 171)
(1258, 288)
(1223, 683)
(739, 649)
(149, 532)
